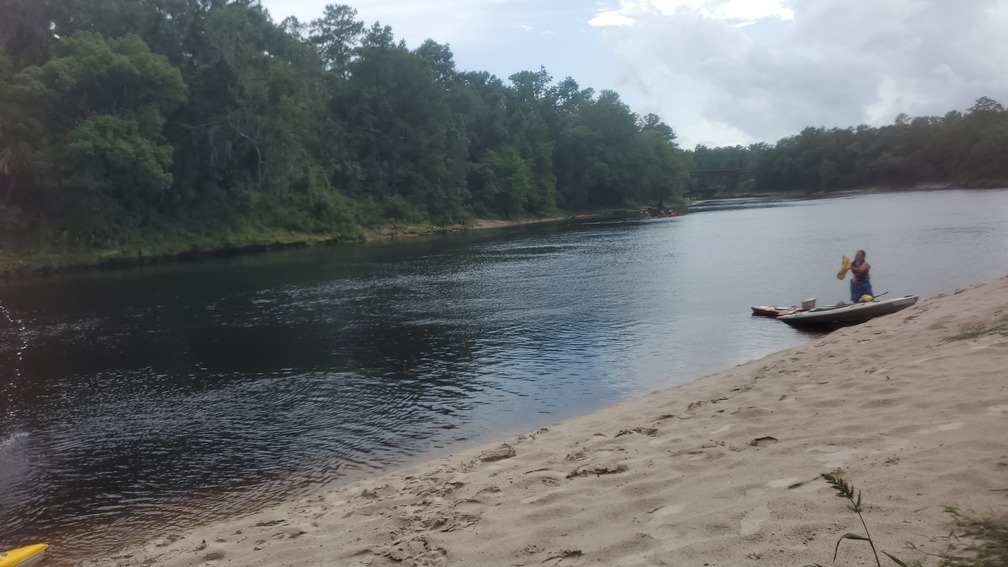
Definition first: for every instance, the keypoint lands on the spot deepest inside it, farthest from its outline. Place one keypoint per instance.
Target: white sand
(723, 471)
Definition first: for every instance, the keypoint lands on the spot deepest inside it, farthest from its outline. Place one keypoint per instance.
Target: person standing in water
(860, 284)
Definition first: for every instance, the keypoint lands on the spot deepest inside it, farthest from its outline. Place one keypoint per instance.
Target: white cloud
(744, 11)
(414, 22)
(832, 63)
(752, 10)
(722, 72)
(611, 18)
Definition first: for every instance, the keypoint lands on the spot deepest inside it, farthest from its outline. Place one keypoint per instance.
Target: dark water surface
(173, 395)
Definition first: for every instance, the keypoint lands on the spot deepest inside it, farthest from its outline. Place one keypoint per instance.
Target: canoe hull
(23, 556)
(848, 314)
(774, 311)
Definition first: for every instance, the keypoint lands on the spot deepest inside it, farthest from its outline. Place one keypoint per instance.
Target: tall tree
(336, 35)
(402, 132)
(26, 30)
(22, 143)
(105, 105)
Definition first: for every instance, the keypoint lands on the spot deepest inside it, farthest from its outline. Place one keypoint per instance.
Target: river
(182, 393)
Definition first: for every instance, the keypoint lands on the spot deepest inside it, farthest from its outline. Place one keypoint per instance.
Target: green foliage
(608, 157)
(846, 491)
(513, 182)
(980, 542)
(404, 144)
(964, 149)
(99, 106)
(156, 113)
(91, 74)
(108, 154)
(335, 36)
(21, 119)
(974, 542)
(123, 118)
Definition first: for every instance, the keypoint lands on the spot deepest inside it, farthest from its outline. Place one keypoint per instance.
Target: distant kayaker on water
(860, 284)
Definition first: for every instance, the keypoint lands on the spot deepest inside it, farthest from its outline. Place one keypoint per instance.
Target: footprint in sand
(944, 427)
(833, 457)
(895, 444)
(469, 506)
(551, 497)
(666, 511)
(776, 483)
(752, 520)
(783, 482)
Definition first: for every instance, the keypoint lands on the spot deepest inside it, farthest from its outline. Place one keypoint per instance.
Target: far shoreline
(14, 268)
(42, 263)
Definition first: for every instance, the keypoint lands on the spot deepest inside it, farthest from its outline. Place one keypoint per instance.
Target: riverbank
(868, 190)
(722, 471)
(21, 262)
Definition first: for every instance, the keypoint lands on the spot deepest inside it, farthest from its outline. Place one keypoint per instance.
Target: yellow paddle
(844, 266)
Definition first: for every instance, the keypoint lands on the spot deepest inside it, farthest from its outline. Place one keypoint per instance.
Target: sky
(724, 72)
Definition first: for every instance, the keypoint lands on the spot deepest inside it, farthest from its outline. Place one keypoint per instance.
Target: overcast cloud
(725, 72)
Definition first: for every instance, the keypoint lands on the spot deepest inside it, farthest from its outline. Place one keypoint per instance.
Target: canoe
(774, 311)
(842, 315)
(23, 556)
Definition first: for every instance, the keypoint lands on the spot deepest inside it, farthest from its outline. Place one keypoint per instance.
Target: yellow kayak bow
(23, 556)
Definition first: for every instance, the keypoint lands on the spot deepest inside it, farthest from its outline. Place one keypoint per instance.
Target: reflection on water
(181, 393)
(739, 204)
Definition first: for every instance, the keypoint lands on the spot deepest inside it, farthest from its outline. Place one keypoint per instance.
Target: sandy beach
(723, 471)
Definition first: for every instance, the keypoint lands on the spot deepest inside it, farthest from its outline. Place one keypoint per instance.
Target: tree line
(182, 124)
(960, 148)
(199, 120)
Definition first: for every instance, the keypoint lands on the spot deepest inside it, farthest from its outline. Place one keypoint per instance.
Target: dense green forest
(167, 125)
(155, 127)
(964, 149)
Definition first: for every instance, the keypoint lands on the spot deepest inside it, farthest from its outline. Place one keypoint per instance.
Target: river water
(172, 395)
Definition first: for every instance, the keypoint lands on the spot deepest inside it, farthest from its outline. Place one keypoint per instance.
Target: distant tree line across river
(961, 149)
(161, 126)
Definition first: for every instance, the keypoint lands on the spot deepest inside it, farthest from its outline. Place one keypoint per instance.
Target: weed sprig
(974, 542)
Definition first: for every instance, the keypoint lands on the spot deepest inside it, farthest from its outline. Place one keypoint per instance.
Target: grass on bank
(999, 327)
(44, 252)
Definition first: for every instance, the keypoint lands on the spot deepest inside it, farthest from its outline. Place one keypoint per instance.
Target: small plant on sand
(846, 491)
(976, 542)
(973, 542)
